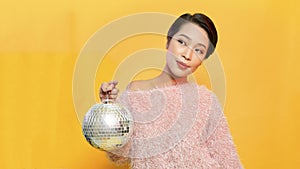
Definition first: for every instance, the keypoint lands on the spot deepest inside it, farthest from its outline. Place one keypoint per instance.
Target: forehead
(195, 32)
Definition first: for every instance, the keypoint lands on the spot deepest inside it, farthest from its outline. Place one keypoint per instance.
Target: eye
(181, 42)
(199, 51)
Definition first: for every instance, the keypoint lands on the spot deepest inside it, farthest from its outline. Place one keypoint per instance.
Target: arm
(221, 147)
(220, 143)
(117, 155)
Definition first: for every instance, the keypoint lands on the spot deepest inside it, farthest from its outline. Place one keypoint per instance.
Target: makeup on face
(182, 65)
(187, 49)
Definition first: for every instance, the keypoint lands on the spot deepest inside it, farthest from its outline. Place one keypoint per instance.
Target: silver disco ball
(107, 126)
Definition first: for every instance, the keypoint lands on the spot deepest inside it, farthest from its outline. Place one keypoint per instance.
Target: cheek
(169, 57)
(173, 48)
(195, 65)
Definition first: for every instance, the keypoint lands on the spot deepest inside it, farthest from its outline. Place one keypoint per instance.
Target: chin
(176, 72)
(180, 74)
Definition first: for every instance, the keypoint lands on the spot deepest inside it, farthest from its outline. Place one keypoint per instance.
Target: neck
(165, 79)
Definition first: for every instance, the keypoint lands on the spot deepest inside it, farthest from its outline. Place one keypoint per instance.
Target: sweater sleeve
(118, 156)
(220, 143)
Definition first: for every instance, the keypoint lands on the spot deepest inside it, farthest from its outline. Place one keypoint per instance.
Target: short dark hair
(201, 20)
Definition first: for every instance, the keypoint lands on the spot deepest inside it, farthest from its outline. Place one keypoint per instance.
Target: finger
(109, 88)
(113, 96)
(114, 91)
(104, 86)
(115, 82)
(102, 97)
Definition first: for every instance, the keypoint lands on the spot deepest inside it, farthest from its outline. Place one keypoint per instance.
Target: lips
(182, 65)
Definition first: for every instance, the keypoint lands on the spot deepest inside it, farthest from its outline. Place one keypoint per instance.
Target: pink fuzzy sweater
(180, 127)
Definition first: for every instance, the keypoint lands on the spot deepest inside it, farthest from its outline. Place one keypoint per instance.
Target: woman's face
(186, 50)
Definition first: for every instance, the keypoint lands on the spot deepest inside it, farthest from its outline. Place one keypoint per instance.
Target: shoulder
(204, 92)
(129, 94)
(139, 85)
(208, 98)
(210, 112)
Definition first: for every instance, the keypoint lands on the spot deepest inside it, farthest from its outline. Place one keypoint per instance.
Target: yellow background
(40, 41)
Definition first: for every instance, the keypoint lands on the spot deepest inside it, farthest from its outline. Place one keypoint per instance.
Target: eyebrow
(184, 35)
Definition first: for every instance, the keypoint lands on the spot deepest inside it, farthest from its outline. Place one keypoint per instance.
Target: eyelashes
(196, 50)
(199, 51)
(181, 42)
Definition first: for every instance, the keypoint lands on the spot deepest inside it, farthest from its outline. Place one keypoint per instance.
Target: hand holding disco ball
(107, 126)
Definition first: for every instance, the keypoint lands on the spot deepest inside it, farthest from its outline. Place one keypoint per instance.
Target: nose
(187, 53)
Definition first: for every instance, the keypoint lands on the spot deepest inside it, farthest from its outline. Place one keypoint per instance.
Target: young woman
(177, 124)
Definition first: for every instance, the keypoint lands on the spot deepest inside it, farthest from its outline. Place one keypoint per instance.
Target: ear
(167, 45)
